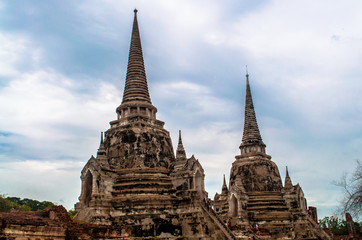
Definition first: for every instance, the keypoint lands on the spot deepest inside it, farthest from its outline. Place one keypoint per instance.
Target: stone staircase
(267, 206)
(142, 192)
(142, 184)
(217, 221)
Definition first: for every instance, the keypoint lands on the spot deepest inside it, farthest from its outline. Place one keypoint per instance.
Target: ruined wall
(256, 174)
(54, 224)
(138, 146)
(221, 206)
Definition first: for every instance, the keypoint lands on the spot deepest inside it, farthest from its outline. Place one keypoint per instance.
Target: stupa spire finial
(136, 98)
(251, 141)
(288, 182)
(224, 187)
(136, 88)
(179, 138)
(180, 152)
(101, 150)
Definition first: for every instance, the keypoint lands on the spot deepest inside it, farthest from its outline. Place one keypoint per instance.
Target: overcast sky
(63, 67)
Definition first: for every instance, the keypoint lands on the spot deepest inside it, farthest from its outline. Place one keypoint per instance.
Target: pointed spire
(101, 150)
(288, 182)
(251, 129)
(179, 138)
(101, 138)
(180, 152)
(251, 134)
(136, 98)
(136, 88)
(224, 187)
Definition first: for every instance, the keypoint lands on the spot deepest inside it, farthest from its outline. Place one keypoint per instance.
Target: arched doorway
(198, 183)
(88, 187)
(234, 206)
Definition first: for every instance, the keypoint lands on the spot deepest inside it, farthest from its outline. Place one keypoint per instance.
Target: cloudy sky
(63, 66)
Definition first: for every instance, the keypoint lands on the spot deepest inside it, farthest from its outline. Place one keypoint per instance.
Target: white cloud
(42, 180)
(44, 100)
(194, 98)
(177, 89)
(10, 52)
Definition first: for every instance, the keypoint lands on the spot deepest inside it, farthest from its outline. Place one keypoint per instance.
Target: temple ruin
(256, 197)
(138, 188)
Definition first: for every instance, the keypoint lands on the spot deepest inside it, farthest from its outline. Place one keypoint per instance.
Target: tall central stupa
(135, 182)
(132, 170)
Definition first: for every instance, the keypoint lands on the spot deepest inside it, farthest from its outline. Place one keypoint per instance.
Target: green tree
(33, 204)
(26, 204)
(72, 213)
(24, 208)
(5, 204)
(335, 224)
(14, 200)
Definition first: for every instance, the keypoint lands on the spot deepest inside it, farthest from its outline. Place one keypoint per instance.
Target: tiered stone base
(144, 199)
(150, 187)
(268, 209)
(267, 206)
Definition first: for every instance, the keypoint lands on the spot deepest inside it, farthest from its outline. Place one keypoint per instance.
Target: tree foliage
(72, 213)
(352, 186)
(26, 204)
(337, 225)
(33, 204)
(5, 204)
